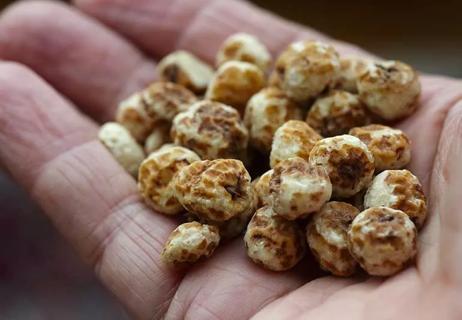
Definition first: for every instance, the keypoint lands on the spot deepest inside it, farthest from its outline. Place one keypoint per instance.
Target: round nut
(234, 83)
(184, 68)
(306, 69)
(336, 113)
(211, 129)
(266, 111)
(159, 136)
(328, 239)
(298, 189)
(273, 242)
(348, 161)
(293, 139)
(190, 242)
(382, 240)
(155, 178)
(391, 147)
(351, 68)
(262, 189)
(390, 89)
(127, 152)
(216, 190)
(244, 47)
(401, 190)
(164, 100)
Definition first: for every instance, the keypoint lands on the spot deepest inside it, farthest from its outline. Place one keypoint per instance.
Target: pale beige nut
(155, 177)
(391, 147)
(164, 100)
(127, 152)
(262, 189)
(189, 243)
(298, 189)
(351, 68)
(244, 47)
(132, 114)
(216, 190)
(266, 111)
(382, 240)
(213, 130)
(328, 239)
(234, 83)
(184, 68)
(273, 242)
(348, 161)
(159, 136)
(293, 139)
(401, 190)
(390, 89)
(336, 113)
(306, 69)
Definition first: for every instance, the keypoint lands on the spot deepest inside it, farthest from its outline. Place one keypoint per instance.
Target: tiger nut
(348, 161)
(390, 89)
(391, 147)
(184, 68)
(293, 139)
(261, 187)
(351, 68)
(216, 190)
(328, 240)
(234, 83)
(336, 113)
(211, 129)
(401, 190)
(298, 189)
(273, 242)
(155, 178)
(159, 136)
(190, 242)
(382, 240)
(266, 111)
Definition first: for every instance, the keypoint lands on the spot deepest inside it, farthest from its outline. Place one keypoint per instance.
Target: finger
(199, 26)
(81, 58)
(49, 148)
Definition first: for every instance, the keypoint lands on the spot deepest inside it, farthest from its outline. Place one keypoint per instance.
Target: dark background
(40, 276)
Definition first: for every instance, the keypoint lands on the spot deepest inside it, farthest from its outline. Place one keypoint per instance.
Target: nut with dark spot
(351, 68)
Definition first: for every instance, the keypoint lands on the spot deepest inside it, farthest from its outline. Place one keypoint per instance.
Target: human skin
(72, 65)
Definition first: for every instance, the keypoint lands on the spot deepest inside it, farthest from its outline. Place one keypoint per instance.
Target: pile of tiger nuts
(298, 159)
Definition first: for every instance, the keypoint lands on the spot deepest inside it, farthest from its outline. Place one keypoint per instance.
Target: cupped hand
(71, 65)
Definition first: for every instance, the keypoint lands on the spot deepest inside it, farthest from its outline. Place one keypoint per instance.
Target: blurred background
(40, 276)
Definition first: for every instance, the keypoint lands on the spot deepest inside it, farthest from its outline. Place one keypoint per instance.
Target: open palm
(47, 143)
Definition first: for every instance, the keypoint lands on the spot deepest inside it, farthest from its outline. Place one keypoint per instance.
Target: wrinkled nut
(273, 242)
(185, 69)
(298, 189)
(234, 83)
(211, 129)
(159, 136)
(293, 139)
(328, 239)
(190, 242)
(127, 152)
(391, 147)
(401, 190)
(266, 111)
(390, 89)
(216, 190)
(336, 113)
(348, 161)
(351, 68)
(306, 69)
(155, 177)
(262, 189)
(244, 47)
(164, 100)
(132, 114)
(382, 240)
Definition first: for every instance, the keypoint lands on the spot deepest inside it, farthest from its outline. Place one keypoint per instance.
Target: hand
(48, 145)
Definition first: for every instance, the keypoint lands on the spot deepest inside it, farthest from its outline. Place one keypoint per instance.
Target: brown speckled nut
(261, 186)
(274, 242)
(351, 68)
